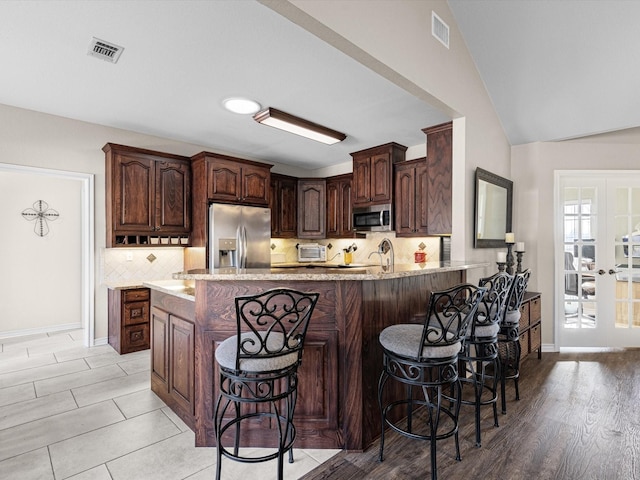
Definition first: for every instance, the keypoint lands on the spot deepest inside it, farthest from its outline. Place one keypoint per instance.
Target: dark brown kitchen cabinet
(411, 183)
(284, 206)
(439, 176)
(339, 211)
(373, 174)
(128, 312)
(173, 353)
(225, 179)
(312, 208)
(148, 197)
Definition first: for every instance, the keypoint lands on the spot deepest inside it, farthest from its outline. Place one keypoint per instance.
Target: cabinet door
(133, 190)
(439, 165)
(405, 199)
(173, 197)
(255, 185)
(421, 200)
(333, 207)
(160, 348)
(311, 208)
(224, 181)
(181, 368)
(381, 177)
(288, 207)
(339, 210)
(361, 180)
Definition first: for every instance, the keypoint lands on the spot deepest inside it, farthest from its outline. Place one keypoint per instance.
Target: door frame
(558, 241)
(87, 241)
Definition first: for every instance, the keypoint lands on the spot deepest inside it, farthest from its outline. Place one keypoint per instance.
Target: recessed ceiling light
(243, 106)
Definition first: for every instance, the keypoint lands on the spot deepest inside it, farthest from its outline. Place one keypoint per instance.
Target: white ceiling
(182, 58)
(554, 69)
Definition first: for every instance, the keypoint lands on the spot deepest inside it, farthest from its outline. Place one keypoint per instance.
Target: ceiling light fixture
(243, 106)
(289, 123)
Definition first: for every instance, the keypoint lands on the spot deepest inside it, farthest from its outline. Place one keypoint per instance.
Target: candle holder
(501, 266)
(510, 262)
(519, 261)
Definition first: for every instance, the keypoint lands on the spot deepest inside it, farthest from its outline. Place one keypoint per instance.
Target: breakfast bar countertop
(319, 272)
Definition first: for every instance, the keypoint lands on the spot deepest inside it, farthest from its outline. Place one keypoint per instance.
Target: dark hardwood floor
(578, 418)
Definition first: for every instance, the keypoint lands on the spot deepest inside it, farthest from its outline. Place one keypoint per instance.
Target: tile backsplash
(403, 248)
(119, 266)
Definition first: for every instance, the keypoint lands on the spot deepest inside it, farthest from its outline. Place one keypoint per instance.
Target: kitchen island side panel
(346, 323)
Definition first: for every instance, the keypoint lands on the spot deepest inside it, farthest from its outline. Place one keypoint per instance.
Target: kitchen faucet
(384, 247)
(334, 256)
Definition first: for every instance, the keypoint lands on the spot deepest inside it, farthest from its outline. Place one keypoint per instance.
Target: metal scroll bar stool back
(259, 365)
(480, 351)
(425, 356)
(509, 336)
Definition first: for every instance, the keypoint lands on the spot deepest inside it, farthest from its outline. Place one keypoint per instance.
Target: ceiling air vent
(104, 50)
(439, 29)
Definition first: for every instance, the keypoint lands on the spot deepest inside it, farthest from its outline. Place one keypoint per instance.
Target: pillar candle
(509, 237)
(502, 257)
(520, 247)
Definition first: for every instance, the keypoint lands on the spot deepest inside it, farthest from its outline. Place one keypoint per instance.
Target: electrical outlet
(129, 256)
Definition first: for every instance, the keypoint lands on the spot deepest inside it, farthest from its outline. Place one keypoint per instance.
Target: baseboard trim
(549, 347)
(35, 331)
(101, 341)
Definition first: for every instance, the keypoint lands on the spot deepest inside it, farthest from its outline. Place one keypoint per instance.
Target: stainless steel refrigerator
(239, 236)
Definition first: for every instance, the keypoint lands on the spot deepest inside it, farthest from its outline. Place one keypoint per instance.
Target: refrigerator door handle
(239, 253)
(244, 247)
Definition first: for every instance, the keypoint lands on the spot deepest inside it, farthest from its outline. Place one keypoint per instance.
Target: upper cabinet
(423, 194)
(148, 197)
(411, 183)
(373, 174)
(284, 203)
(224, 179)
(312, 208)
(232, 180)
(439, 168)
(339, 211)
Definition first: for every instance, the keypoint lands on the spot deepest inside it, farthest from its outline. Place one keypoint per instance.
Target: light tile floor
(67, 411)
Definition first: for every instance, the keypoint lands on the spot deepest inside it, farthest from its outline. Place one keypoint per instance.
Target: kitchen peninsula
(337, 402)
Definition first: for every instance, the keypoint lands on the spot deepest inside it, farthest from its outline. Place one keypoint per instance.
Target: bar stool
(509, 336)
(426, 356)
(259, 365)
(480, 348)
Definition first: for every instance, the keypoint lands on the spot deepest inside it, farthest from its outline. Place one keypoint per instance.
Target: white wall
(39, 275)
(394, 39)
(533, 174)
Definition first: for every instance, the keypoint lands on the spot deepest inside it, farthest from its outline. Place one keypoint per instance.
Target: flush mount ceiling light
(243, 106)
(289, 123)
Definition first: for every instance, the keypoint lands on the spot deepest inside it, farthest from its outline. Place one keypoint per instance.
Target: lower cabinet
(128, 319)
(530, 325)
(173, 354)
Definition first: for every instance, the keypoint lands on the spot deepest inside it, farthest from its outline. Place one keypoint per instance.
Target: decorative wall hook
(40, 214)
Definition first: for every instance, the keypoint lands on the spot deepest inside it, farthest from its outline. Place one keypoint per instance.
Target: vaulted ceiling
(554, 70)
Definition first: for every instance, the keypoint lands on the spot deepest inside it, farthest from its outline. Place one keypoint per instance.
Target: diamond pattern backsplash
(135, 265)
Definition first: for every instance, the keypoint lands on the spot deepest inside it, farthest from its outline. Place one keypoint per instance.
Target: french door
(598, 259)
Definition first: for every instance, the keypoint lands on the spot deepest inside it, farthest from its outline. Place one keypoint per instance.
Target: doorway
(32, 249)
(597, 259)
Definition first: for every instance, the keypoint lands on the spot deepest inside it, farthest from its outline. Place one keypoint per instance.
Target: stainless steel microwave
(312, 252)
(374, 218)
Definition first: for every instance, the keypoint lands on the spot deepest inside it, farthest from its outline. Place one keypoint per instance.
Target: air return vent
(104, 50)
(439, 29)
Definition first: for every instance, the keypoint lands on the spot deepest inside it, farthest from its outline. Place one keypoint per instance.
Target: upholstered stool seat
(423, 358)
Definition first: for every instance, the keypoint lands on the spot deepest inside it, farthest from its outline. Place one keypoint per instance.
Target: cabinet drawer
(535, 313)
(535, 338)
(524, 315)
(136, 337)
(135, 295)
(136, 312)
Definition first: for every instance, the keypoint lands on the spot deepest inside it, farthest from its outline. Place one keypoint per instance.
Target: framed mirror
(494, 195)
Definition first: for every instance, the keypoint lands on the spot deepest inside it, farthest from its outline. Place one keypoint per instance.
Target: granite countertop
(179, 288)
(320, 272)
